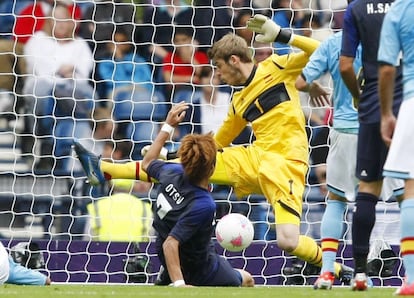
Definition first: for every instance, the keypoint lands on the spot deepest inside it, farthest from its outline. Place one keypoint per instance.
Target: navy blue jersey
(186, 212)
(362, 24)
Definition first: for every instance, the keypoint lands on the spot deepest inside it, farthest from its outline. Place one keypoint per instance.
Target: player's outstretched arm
(269, 31)
(170, 248)
(174, 117)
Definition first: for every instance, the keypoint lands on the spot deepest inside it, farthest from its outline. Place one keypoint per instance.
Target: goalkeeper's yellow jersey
(270, 102)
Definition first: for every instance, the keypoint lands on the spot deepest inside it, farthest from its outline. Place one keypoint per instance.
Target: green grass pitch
(83, 290)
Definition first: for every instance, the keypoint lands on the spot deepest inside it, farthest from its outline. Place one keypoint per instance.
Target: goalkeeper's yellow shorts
(252, 170)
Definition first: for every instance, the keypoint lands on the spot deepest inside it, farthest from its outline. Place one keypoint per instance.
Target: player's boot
(345, 274)
(90, 163)
(360, 282)
(405, 290)
(324, 281)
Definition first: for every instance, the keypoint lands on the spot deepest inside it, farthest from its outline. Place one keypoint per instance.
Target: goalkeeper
(276, 164)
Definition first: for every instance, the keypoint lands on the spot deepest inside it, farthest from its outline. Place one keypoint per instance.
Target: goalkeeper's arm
(269, 31)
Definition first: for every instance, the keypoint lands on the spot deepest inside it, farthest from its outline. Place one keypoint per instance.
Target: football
(234, 232)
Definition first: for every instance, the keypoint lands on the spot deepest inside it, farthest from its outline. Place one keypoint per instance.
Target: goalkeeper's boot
(324, 281)
(361, 282)
(90, 163)
(345, 274)
(405, 290)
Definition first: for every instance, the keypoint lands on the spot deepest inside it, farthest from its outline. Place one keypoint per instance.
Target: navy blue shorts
(224, 275)
(371, 153)
(217, 271)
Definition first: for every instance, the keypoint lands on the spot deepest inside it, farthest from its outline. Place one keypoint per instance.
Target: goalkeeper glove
(163, 154)
(268, 31)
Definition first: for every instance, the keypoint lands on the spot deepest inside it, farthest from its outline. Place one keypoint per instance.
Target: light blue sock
(331, 228)
(407, 231)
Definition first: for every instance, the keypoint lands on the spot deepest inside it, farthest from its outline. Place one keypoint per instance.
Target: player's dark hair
(228, 45)
(197, 153)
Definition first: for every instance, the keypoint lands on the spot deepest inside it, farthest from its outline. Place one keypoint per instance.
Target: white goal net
(105, 72)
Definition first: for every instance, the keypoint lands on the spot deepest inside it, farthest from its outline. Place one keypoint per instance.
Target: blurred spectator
(262, 51)
(333, 12)
(262, 7)
(312, 27)
(240, 25)
(128, 83)
(121, 65)
(287, 14)
(33, 17)
(181, 72)
(121, 216)
(102, 19)
(8, 12)
(210, 19)
(233, 8)
(59, 95)
(330, 12)
(214, 103)
(99, 23)
(182, 66)
(12, 70)
(159, 24)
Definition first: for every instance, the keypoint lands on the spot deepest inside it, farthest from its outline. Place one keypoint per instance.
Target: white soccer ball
(234, 232)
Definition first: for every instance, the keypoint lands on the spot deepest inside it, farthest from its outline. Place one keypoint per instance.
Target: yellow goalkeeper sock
(129, 170)
(338, 269)
(308, 250)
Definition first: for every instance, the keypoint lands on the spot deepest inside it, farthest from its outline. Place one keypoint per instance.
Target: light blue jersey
(396, 37)
(324, 59)
(20, 275)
